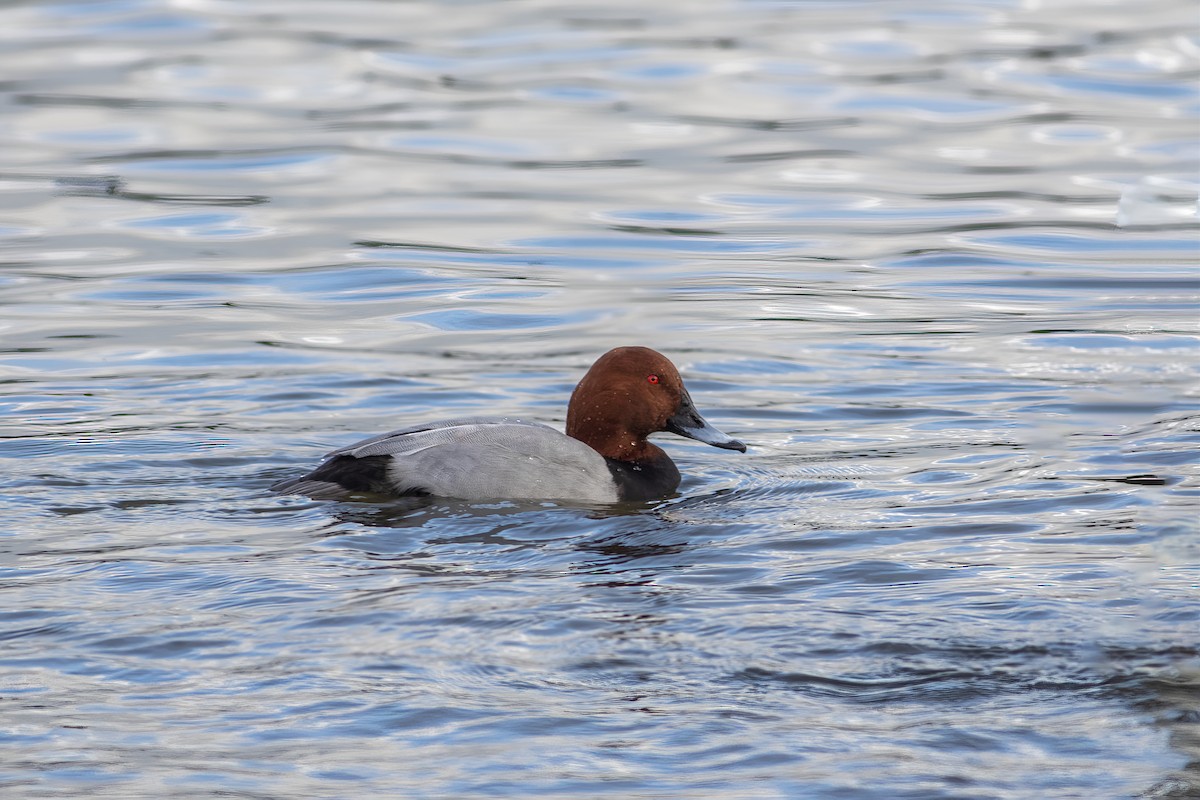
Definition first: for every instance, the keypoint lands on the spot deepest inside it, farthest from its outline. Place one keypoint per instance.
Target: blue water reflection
(934, 263)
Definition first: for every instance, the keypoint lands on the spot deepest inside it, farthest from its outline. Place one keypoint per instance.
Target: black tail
(340, 477)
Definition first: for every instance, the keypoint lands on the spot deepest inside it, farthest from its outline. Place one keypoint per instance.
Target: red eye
(652, 378)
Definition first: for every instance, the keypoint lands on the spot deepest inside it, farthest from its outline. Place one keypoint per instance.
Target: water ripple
(934, 263)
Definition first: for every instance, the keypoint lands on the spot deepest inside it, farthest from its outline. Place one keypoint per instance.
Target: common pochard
(628, 394)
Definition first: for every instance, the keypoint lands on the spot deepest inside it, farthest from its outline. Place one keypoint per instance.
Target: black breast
(644, 480)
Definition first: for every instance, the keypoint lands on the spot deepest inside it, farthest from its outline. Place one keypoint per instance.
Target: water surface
(935, 262)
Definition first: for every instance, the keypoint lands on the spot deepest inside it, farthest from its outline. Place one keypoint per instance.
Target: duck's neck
(619, 445)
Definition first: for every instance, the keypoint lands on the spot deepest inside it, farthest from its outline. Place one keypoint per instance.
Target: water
(935, 262)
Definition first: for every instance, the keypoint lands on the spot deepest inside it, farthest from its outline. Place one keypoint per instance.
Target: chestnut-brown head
(630, 393)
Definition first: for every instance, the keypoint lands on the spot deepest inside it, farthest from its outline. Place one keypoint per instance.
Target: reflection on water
(935, 262)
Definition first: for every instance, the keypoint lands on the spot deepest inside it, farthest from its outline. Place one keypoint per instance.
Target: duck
(628, 394)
